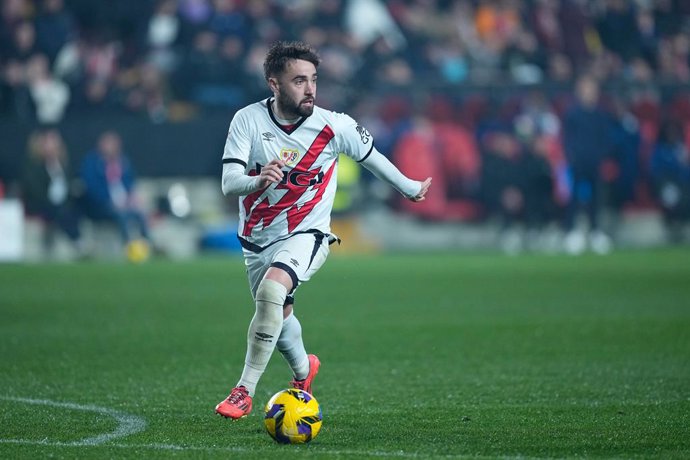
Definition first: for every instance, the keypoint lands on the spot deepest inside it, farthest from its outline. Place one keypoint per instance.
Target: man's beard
(291, 110)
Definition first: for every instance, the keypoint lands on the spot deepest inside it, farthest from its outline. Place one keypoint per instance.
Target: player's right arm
(235, 180)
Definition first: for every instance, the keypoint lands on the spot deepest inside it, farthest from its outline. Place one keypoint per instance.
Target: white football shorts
(300, 255)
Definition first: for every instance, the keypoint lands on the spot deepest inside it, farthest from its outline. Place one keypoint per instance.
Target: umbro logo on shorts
(268, 136)
(294, 262)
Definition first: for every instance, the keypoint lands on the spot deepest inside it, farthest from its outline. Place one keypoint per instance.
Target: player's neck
(281, 117)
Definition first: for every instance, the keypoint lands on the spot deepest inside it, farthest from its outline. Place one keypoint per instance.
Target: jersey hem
(255, 248)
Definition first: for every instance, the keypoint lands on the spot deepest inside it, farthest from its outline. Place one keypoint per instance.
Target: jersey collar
(286, 129)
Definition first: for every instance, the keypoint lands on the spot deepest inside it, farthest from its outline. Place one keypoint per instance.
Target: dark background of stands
(439, 56)
(187, 149)
(193, 147)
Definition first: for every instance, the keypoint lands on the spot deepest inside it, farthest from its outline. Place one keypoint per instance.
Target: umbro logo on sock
(263, 337)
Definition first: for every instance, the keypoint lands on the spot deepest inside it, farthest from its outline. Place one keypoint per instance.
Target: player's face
(295, 89)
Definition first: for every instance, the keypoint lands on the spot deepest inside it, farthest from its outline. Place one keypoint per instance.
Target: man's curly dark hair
(282, 52)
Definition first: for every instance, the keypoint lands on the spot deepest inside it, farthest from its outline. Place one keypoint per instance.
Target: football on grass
(293, 417)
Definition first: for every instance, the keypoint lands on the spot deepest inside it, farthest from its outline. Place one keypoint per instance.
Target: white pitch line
(127, 424)
(131, 424)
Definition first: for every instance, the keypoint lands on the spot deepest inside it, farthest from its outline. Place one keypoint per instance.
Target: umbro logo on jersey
(268, 136)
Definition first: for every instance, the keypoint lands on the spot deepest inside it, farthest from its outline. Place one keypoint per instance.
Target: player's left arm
(356, 142)
(386, 171)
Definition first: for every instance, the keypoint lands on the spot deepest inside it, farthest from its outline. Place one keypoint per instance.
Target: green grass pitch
(423, 356)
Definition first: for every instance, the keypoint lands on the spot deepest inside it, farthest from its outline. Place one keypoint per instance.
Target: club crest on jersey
(289, 156)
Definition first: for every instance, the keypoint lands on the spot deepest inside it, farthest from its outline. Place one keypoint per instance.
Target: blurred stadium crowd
(525, 111)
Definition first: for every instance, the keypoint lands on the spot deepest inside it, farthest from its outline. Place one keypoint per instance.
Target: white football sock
(263, 332)
(291, 346)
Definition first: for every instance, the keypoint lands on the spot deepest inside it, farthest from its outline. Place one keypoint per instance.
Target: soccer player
(281, 158)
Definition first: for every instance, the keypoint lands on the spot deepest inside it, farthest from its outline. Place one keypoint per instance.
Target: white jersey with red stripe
(303, 200)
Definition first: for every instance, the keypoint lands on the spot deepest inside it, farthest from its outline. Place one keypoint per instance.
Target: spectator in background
(524, 60)
(504, 177)
(200, 68)
(415, 152)
(109, 183)
(430, 147)
(367, 21)
(99, 67)
(586, 141)
(670, 175)
(618, 29)
(162, 34)
(545, 24)
(577, 33)
(147, 92)
(648, 35)
(229, 18)
(673, 58)
(517, 184)
(55, 27)
(546, 186)
(621, 170)
(19, 52)
(539, 188)
(46, 188)
(459, 156)
(212, 72)
(50, 96)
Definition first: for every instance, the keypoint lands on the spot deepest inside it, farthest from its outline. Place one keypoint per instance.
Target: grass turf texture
(423, 356)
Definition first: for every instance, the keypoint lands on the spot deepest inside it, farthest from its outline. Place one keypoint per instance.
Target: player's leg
(291, 346)
(265, 326)
(292, 261)
(269, 287)
(263, 332)
(301, 257)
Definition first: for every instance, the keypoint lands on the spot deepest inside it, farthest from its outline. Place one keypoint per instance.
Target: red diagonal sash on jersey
(267, 212)
(296, 215)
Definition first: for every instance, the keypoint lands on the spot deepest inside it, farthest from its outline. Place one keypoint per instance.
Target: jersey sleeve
(387, 172)
(238, 143)
(353, 139)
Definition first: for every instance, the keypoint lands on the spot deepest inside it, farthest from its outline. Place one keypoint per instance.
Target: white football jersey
(309, 149)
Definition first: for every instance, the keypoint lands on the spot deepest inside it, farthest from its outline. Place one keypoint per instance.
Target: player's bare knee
(281, 276)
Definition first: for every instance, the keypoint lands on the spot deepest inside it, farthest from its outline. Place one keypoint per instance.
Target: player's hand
(425, 188)
(271, 173)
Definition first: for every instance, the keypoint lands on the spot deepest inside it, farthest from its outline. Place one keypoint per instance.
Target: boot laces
(299, 384)
(237, 395)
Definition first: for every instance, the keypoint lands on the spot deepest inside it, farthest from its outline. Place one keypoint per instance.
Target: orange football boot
(237, 405)
(305, 384)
